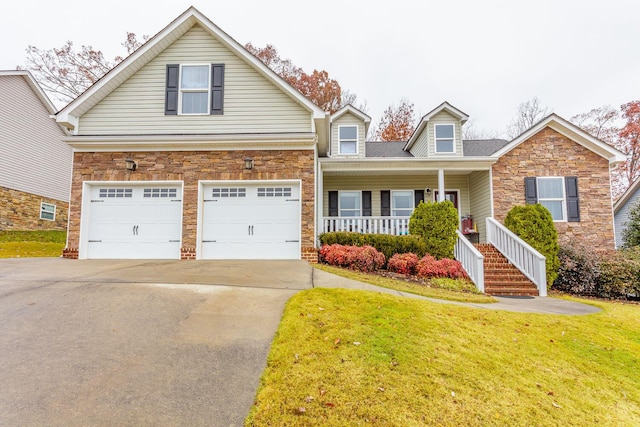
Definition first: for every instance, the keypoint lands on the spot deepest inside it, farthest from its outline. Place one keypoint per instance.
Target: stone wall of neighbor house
(549, 153)
(191, 167)
(21, 211)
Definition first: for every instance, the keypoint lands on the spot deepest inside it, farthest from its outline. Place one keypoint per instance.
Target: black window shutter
(333, 203)
(366, 203)
(418, 197)
(217, 89)
(385, 203)
(171, 94)
(573, 201)
(530, 191)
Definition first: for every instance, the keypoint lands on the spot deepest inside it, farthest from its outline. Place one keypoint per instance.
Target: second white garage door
(255, 221)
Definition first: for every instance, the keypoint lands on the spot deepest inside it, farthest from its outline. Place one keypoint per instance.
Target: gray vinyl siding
(252, 104)
(396, 182)
(33, 158)
(622, 216)
(480, 198)
(347, 119)
(425, 144)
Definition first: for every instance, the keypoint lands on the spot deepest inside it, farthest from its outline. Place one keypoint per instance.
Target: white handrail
(471, 259)
(531, 262)
(396, 225)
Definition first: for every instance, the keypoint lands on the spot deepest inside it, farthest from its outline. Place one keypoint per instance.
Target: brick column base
(309, 255)
(187, 253)
(70, 253)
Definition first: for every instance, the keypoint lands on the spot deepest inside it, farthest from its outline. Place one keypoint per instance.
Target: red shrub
(403, 263)
(428, 266)
(364, 258)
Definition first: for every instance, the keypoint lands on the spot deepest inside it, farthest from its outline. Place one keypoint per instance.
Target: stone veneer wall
(191, 167)
(21, 211)
(549, 153)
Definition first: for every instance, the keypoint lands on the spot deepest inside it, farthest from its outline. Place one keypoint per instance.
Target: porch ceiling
(369, 167)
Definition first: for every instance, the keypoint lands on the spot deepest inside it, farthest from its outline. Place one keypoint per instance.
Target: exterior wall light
(428, 191)
(248, 163)
(130, 164)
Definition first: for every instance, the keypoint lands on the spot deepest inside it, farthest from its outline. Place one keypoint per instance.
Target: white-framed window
(348, 139)
(195, 88)
(47, 211)
(445, 139)
(551, 195)
(402, 202)
(350, 203)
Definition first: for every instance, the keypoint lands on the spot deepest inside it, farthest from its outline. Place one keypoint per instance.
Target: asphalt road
(129, 343)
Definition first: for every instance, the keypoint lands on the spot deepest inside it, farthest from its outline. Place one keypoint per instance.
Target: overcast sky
(484, 57)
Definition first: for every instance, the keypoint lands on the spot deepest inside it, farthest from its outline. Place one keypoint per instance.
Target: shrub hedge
(403, 263)
(534, 225)
(362, 258)
(436, 223)
(387, 244)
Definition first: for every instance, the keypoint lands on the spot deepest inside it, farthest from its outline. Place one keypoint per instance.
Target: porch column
(319, 202)
(440, 185)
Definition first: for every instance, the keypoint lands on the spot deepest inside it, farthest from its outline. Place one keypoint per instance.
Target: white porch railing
(519, 253)
(395, 225)
(471, 259)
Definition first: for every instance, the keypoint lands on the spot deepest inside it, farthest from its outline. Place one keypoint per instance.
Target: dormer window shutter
(171, 93)
(217, 89)
(530, 191)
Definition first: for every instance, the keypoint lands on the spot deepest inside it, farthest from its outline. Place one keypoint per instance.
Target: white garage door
(134, 222)
(256, 221)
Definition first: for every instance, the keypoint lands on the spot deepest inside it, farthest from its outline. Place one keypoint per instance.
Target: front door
(451, 196)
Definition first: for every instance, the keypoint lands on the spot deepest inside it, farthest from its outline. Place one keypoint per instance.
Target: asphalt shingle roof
(387, 149)
(482, 147)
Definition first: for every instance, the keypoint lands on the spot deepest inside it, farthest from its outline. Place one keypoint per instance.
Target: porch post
(440, 185)
(319, 203)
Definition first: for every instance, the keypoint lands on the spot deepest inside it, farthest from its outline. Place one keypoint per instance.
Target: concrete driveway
(128, 343)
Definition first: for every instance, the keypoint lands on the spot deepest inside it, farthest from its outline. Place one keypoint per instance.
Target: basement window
(47, 211)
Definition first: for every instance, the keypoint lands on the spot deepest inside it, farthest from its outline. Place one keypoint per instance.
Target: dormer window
(348, 136)
(444, 138)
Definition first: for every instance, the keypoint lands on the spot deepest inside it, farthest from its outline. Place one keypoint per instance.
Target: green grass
(26, 244)
(447, 289)
(345, 357)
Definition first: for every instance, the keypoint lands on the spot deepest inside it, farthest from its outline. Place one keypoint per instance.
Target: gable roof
(33, 84)
(622, 200)
(115, 77)
(445, 106)
(572, 132)
(353, 110)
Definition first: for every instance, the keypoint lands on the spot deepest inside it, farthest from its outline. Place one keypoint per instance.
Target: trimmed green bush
(631, 234)
(534, 225)
(385, 243)
(436, 223)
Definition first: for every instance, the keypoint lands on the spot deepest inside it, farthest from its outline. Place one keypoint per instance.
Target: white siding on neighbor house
(33, 157)
(396, 182)
(425, 144)
(622, 216)
(480, 198)
(345, 120)
(252, 104)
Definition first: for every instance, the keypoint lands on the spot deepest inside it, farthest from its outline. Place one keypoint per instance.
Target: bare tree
(470, 131)
(599, 122)
(529, 113)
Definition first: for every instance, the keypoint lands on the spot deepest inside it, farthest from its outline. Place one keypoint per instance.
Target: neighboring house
(193, 148)
(621, 208)
(35, 163)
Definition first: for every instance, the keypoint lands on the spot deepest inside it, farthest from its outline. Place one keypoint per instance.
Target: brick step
(511, 292)
(502, 280)
(501, 277)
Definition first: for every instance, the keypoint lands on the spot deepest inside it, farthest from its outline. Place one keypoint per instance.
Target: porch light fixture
(248, 163)
(130, 164)
(427, 191)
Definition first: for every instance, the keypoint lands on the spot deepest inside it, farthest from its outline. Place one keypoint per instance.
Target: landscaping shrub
(436, 223)
(620, 275)
(579, 270)
(387, 244)
(362, 258)
(403, 263)
(429, 266)
(631, 234)
(534, 225)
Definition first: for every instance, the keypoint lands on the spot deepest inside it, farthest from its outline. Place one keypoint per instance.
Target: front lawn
(346, 357)
(26, 244)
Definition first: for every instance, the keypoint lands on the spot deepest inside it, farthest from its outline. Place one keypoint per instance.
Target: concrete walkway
(541, 305)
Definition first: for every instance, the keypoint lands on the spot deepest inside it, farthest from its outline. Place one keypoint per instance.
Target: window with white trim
(194, 89)
(348, 139)
(551, 196)
(445, 140)
(47, 211)
(402, 202)
(349, 203)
